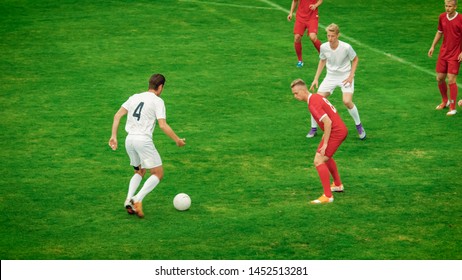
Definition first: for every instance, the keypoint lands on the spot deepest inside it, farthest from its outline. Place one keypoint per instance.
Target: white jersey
(338, 60)
(143, 111)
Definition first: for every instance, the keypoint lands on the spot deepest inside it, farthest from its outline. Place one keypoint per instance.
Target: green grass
(67, 66)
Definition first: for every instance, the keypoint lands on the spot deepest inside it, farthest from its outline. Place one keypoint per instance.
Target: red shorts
(334, 142)
(447, 66)
(302, 25)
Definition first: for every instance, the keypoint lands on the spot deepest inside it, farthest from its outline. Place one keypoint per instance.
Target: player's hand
(113, 143)
(322, 151)
(430, 52)
(181, 142)
(289, 17)
(460, 57)
(460, 103)
(348, 81)
(313, 7)
(314, 85)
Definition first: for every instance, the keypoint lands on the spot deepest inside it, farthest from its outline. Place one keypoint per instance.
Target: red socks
(453, 90)
(298, 50)
(444, 92)
(317, 45)
(332, 165)
(324, 175)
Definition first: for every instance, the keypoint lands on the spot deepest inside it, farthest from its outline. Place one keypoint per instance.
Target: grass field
(67, 66)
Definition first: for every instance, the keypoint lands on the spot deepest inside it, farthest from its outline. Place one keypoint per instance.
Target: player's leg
(324, 176)
(314, 128)
(299, 30)
(150, 159)
(313, 33)
(348, 91)
(453, 71)
(441, 70)
(337, 185)
(135, 181)
(132, 187)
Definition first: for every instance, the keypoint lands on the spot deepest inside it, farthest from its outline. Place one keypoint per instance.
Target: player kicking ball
(335, 132)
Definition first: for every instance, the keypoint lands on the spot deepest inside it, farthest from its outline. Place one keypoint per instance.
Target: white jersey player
(341, 61)
(143, 110)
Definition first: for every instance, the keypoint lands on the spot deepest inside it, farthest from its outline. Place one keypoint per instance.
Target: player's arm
(354, 65)
(170, 133)
(321, 65)
(437, 38)
(327, 129)
(115, 127)
(292, 9)
(315, 6)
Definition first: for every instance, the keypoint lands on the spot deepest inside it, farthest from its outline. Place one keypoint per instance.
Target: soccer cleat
(451, 113)
(323, 200)
(312, 132)
(335, 188)
(442, 106)
(361, 132)
(129, 207)
(138, 208)
(300, 64)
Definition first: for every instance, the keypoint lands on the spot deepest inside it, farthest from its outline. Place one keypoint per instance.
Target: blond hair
(298, 82)
(334, 27)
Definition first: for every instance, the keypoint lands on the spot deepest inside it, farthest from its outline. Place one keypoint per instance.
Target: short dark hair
(156, 80)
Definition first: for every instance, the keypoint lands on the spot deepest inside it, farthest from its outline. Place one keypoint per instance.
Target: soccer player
(341, 62)
(335, 133)
(142, 110)
(307, 18)
(450, 56)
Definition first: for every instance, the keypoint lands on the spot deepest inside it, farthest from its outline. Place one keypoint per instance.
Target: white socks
(148, 186)
(355, 115)
(313, 122)
(133, 186)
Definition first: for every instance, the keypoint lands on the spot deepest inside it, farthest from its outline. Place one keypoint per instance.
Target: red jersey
(319, 107)
(452, 36)
(304, 12)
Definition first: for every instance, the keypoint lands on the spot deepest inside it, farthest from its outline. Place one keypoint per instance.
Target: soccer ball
(182, 202)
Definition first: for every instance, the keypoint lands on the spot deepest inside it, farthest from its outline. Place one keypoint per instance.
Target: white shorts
(331, 82)
(141, 151)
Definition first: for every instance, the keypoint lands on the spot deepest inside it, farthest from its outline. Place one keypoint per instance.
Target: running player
(307, 18)
(143, 110)
(450, 56)
(335, 133)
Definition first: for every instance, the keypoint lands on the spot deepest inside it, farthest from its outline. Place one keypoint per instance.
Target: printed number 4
(137, 113)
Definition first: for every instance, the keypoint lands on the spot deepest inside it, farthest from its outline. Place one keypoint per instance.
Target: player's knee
(349, 104)
(313, 37)
(158, 172)
(297, 38)
(318, 160)
(139, 170)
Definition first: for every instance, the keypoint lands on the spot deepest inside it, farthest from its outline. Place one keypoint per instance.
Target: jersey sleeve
(127, 103)
(160, 110)
(351, 53)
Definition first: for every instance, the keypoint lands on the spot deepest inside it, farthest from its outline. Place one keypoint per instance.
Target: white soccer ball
(182, 202)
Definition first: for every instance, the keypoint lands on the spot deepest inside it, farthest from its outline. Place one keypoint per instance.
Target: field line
(228, 4)
(392, 57)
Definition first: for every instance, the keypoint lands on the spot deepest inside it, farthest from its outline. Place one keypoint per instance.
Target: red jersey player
(306, 19)
(450, 56)
(335, 133)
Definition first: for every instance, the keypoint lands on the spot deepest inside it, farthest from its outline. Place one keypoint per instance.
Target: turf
(67, 66)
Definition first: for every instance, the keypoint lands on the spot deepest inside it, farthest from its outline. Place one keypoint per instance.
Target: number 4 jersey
(143, 111)
(321, 107)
